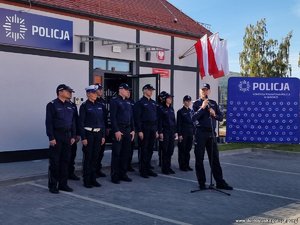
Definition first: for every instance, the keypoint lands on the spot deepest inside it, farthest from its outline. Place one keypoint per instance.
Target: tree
(261, 57)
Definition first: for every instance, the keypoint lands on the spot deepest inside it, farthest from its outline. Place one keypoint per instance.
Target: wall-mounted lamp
(82, 47)
(148, 56)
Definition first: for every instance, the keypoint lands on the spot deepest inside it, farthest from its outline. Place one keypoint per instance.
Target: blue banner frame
(263, 110)
(31, 30)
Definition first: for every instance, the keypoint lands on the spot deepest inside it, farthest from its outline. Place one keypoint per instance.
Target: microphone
(208, 106)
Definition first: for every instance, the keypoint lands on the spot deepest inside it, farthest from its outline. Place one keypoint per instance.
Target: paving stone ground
(266, 192)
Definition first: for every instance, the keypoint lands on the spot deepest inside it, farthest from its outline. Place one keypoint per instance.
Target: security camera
(175, 20)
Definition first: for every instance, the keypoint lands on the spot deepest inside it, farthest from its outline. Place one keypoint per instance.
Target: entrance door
(111, 87)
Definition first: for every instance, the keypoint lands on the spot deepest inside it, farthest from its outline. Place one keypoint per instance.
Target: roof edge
(105, 18)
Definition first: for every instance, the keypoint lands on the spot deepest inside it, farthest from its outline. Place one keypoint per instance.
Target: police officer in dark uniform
(167, 133)
(185, 129)
(102, 101)
(159, 104)
(206, 113)
(61, 131)
(92, 128)
(129, 167)
(146, 121)
(121, 116)
(72, 175)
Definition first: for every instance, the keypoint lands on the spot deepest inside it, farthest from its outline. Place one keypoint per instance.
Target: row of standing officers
(149, 119)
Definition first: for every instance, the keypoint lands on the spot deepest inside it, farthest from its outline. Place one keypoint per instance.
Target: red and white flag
(214, 56)
(224, 57)
(201, 50)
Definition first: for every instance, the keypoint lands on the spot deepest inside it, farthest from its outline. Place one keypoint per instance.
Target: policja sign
(26, 29)
(263, 110)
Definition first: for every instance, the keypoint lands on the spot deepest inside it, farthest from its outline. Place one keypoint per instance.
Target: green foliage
(262, 57)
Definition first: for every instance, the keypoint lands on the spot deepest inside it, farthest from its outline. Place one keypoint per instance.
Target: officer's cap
(149, 87)
(62, 87)
(167, 95)
(99, 86)
(91, 88)
(187, 98)
(124, 86)
(162, 94)
(205, 85)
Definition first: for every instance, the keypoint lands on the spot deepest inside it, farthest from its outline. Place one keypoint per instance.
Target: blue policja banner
(263, 110)
(26, 29)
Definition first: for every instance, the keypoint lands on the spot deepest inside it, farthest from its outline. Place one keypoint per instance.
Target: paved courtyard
(266, 191)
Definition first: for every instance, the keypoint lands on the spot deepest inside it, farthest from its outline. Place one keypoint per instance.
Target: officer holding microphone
(206, 113)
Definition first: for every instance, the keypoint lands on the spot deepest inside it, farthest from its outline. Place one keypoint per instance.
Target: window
(100, 64)
(118, 66)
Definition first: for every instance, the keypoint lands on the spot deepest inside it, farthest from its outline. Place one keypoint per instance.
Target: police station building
(44, 43)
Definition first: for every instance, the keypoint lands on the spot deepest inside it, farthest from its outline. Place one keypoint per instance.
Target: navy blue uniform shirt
(76, 117)
(120, 113)
(60, 116)
(201, 117)
(91, 115)
(103, 103)
(166, 118)
(184, 121)
(145, 111)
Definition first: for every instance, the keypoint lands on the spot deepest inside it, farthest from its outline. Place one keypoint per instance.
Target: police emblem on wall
(263, 110)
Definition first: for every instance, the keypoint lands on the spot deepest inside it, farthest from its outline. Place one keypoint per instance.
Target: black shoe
(202, 187)
(96, 184)
(87, 185)
(183, 169)
(190, 168)
(115, 181)
(171, 171)
(152, 174)
(130, 169)
(151, 167)
(144, 175)
(165, 172)
(53, 190)
(126, 178)
(65, 188)
(73, 177)
(100, 174)
(224, 186)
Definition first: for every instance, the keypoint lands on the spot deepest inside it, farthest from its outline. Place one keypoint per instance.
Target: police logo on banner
(263, 110)
(30, 30)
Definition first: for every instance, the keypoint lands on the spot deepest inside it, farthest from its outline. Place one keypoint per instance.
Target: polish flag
(224, 57)
(201, 50)
(214, 56)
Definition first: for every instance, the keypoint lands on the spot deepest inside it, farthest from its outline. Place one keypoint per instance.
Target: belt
(62, 129)
(92, 129)
(207, 129)
(124, 125)
(149, 122)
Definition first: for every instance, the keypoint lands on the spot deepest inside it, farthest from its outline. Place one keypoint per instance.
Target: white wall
(80, 26)
(181, 46)
(27, 84)
(184, 84)
(115, 33)
(158, 40)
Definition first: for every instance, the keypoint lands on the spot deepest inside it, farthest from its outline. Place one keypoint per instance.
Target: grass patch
(282, 147)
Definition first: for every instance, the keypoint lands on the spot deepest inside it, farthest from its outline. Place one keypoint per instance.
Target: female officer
(167, 132)
(92, 128)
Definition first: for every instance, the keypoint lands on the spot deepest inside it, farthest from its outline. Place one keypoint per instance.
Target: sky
(231, 17)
